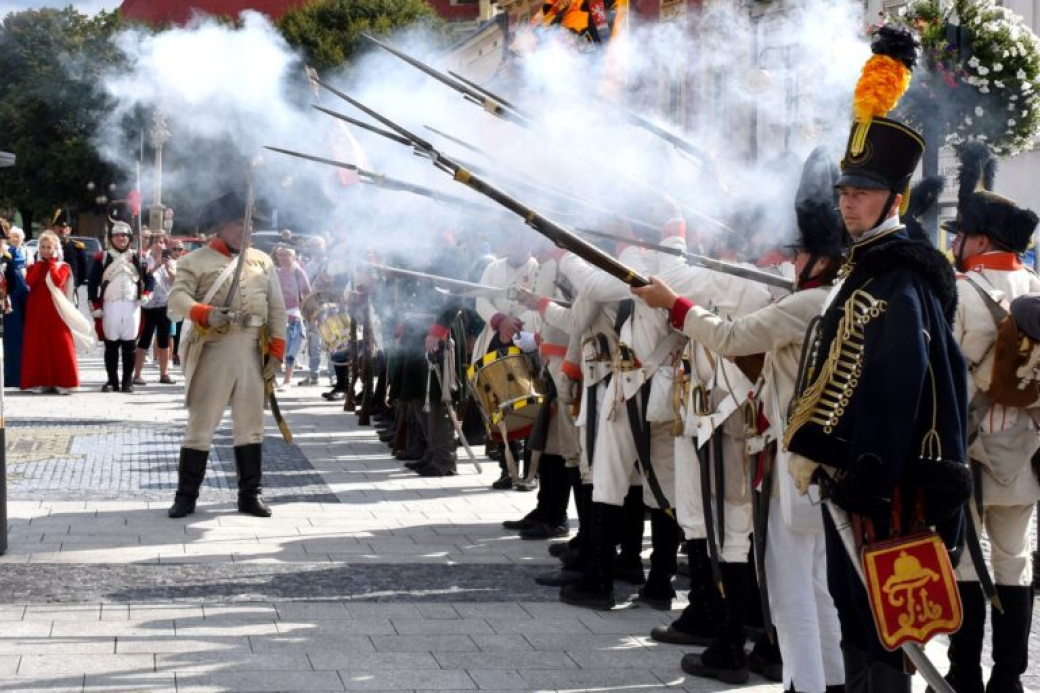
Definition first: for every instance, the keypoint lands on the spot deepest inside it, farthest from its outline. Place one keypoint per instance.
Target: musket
(492, 106)
(704, 261)
(913, 651)
(247, 238)
(503, 109)
(362, 124)
(560, 236)
(456, 285)
(381, 181)
(632, 117)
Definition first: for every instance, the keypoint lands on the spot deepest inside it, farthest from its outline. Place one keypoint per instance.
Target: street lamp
(159, 135)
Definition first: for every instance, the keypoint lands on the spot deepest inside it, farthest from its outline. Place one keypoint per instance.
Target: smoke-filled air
(227, 92)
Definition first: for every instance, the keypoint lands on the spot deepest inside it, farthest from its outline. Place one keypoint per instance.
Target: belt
(240, 319)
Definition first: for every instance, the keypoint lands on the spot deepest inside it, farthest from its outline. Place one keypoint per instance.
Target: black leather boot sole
(674, 636)
(694, 665)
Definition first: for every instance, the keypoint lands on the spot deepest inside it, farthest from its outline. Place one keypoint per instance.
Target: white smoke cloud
(228, 91)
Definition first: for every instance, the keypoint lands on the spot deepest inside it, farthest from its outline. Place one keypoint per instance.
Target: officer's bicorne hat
(820, 228)
(883, 153)
(228, 207)
(61, 217)
(980, 211)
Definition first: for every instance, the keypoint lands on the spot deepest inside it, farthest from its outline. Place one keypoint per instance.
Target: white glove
(97, 313)
(526, 342)
(217, 318)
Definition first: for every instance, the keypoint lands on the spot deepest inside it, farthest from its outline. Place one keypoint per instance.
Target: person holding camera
(155, 321)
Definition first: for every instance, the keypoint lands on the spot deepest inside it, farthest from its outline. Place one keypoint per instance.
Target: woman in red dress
(49, 353)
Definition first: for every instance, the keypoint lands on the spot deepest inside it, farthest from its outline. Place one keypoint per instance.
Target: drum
(333, 325)
(506, 391)
(313, 304)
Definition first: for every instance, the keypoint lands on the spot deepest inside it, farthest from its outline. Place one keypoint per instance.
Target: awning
(6, 159)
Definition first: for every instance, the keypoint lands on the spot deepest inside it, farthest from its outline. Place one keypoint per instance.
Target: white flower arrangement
(1000, 44)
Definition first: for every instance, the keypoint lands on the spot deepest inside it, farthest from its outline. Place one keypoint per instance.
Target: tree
(328, 32)
(51, 105)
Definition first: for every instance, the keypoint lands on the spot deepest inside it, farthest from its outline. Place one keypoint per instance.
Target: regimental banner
(912, 590)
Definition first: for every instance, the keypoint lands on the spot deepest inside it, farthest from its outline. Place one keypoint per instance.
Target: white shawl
(82, 330)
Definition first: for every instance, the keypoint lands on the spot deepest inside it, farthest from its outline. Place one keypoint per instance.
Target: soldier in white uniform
(802, 608)
(117, 288)
(221, 354)
(504, 317)
(991, 232)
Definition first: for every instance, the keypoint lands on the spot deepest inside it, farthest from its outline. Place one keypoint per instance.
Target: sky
(84, 6)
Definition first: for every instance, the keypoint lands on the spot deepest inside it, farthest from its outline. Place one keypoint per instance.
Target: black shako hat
(821, 231)
(885, 160)
(228, 207)
(980, 211)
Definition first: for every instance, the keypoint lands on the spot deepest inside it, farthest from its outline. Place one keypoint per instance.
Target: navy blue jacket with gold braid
(883, 397)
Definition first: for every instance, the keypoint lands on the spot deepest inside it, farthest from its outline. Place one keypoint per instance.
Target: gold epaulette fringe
(824, 401)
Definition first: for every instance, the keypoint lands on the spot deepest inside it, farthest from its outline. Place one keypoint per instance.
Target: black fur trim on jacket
(919, 256)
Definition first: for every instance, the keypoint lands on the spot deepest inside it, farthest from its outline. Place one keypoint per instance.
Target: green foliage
(50, 106)
(328, 32)
(986, 88)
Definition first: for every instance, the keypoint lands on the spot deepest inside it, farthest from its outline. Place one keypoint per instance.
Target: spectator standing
(17, 293)
(52, 322)
(20, 255)
(316, 275)
(162, 267)
(74, 253)
(177, 251)
(295, 289)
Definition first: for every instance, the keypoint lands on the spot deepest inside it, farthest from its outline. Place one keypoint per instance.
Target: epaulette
(79, 245)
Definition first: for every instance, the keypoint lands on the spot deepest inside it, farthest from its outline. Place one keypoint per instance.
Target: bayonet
(761, 276)
(557, 234)
(363, 125)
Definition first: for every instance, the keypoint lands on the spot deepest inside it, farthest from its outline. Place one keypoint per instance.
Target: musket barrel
(761, 276)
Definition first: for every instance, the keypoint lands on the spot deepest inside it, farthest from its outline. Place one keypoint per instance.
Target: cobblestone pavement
(366, 578)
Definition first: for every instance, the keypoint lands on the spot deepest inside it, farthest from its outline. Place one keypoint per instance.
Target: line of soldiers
(725, 410)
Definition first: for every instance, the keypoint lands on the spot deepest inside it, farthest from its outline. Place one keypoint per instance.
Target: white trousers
(806, 620)
(1008, 529)
(615, 467)
(121, 320)
(736, 542)
(228, 372)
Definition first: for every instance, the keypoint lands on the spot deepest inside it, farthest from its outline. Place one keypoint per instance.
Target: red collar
(811, 284)
(1003, 261)
(221, 247)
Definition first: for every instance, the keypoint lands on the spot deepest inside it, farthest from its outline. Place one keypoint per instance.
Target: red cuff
(277, 348)
(674, 228)
(680, 308)
(97, 305)
(543, 303)
(497, 319)
(548, 349)
(438, 331)
(572, 370)
(199, 314)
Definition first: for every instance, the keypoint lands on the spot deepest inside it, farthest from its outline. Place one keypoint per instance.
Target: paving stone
(505, 660)
(152, 645)
(373, 661)
(441, 626)
(222, 662)
(581, 642)
(55, 684)
(260, 681)
(33, 666)
(130, 683)
(360, 680)
(424, 643)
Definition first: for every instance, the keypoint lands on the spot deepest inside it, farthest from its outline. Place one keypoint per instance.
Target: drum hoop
(521, 402)
(489, 358)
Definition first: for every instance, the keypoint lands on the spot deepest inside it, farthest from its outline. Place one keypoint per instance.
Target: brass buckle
(625, 360)
(699, 398)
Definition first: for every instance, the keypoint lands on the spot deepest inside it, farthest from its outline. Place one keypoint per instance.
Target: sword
(446, 401)
(709, 519)
(913, 651)
(760, 499)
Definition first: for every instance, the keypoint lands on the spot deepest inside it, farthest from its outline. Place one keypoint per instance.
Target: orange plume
(883, 82)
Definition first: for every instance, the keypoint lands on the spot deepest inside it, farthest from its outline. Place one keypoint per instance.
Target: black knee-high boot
(111, 366)
(129, 348)
(633, 524)
(695, 625)
(725, 658)
(191, 470)
(665, 536)
(965, 653)
(595, 590)
(1011, 639)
